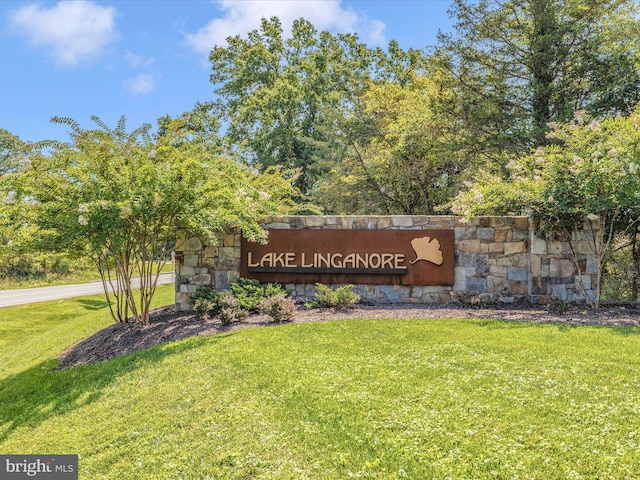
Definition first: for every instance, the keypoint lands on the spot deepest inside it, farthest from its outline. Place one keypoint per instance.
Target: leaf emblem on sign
(428, 249)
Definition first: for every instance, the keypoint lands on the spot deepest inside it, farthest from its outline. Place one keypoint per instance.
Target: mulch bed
(168, 325)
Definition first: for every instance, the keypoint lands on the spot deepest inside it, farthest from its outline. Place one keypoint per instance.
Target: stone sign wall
(496, 259)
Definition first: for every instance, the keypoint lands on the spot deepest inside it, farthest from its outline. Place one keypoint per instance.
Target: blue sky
(145, 59)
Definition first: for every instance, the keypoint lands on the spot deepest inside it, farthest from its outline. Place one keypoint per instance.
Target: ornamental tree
(119, 198)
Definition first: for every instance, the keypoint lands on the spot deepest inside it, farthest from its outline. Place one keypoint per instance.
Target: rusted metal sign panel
(378, 257)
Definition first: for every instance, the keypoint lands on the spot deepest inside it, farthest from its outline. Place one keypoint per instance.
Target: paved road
(32, 295)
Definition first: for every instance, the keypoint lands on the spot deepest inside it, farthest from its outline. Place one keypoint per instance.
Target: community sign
(379, 257)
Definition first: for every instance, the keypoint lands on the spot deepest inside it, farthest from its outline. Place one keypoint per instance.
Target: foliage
(204, 309)
(117, 197)
(251, 292)
(558, 306)
(286, 101)
(531, 63)
(413, 161)
(230, 309)
(588, 176)
(428, 398)
(12, 151)
(278, 307)
(339, 298)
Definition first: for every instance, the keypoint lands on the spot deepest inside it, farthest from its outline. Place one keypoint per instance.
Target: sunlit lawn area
(369, 399)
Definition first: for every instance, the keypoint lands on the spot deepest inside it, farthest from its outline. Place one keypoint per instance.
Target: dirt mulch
(168, 325)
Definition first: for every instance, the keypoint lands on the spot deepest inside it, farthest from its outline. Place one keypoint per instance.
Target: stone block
(464, 233)
(592, 264)
(401, 221)
(502, 235)
(229, 240)
(390, 294)
(586, 281)
(560, 267)
(536, 265)
(559, 291)
(497, 221)
(475, 284)
(384, 222)
(485, 233)
(515, 247)
(193, 244)
(471, 246)
(538, 245)
(190, 260)
(496, 247)
(518, 274)
(520, 234)
(278, 226)
(498, 271)
(230, 252)
(185, 271)
(459, 279)
(221, 280)
(496, 284)
(211, 251)
(518, 288)
(201, 279)
(554, 248)
(188, 288)
(522, 222)
(585, 247)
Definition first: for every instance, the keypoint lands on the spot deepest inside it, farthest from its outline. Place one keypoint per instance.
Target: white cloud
(136, 61)
(140, 84)
(240, 17)
(73, 30)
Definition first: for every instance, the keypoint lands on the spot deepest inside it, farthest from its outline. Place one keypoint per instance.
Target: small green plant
(205, 292)
(341, 298)
(205, 309)
(230, 309)
(278, 307)
(251, 292)
(558, 306)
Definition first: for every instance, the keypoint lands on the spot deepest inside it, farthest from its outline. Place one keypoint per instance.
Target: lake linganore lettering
(409, 257)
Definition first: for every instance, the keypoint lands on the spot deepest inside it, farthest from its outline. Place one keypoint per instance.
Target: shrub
(230, 309)
(278, 307)
(558, 306)
(340, 298)
(205, 309)
(251, 292)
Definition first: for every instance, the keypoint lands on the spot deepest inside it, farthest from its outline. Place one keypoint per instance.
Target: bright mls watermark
(46, 467)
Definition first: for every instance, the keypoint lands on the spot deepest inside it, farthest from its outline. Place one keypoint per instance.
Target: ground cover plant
(356, 398)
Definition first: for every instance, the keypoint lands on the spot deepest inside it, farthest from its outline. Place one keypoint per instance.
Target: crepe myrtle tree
(119, 198)
(590, 174)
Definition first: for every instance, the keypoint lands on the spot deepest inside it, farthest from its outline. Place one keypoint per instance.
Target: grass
(363, 399)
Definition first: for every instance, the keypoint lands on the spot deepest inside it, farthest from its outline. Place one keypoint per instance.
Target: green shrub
(278, 307)
(251, 292)
(341, 298)
(205, 308)
(558, 306)
(230, 309)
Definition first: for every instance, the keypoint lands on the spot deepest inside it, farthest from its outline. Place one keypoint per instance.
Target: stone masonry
(497, 259)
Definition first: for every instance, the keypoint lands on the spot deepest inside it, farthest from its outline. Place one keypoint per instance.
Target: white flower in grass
(83, 208)
(82, 220)
(633, 168)
(264, 196)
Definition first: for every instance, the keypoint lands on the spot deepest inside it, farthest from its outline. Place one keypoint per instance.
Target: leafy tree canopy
(118, 197)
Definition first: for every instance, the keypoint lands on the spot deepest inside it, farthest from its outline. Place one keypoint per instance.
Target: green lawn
(78, 276)
(365, 399)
